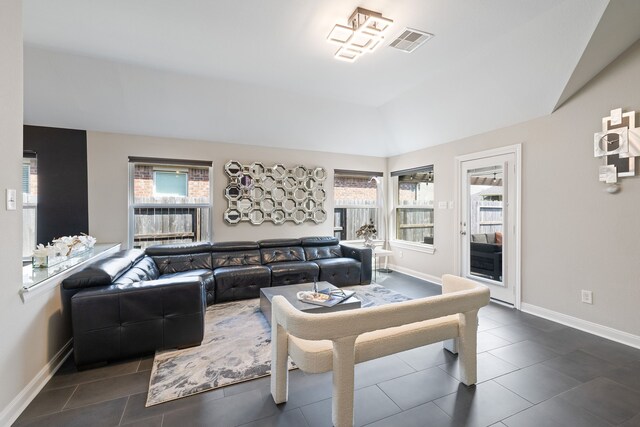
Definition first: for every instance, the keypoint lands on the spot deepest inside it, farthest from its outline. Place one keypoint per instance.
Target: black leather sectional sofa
(136, 302)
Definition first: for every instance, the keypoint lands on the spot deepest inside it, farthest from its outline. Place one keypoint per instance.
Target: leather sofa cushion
(279, 243)
(168, 264)
(290, 273)
(179, 249)
(241, 282)
(205, 275)
(145, 269)
(103, 272)
(339, 271)
(322, 252)
(235, 258)
(319, 241)
(87, 278)
(234, 246)
(282, 254)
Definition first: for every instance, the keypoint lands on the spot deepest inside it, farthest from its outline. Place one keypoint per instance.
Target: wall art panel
(257, 193)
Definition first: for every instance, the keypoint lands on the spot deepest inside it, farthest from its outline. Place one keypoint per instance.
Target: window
(169, 201)
(356, 202)
(414, 200)
(29, 204)
(485, 198)
(170, 183)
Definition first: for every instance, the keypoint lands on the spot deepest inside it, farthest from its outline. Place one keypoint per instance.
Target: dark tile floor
(532, 372)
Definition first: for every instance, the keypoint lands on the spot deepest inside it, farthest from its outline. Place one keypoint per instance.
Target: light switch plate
(11, 199)
(442, 205)
(451, 205)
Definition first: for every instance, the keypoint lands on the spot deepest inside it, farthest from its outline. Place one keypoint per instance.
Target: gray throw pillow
(479, 238)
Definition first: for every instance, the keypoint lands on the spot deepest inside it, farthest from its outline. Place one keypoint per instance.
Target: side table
(380, 253)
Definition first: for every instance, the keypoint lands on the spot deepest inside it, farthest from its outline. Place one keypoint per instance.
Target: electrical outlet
(587, 296)
(400, 253)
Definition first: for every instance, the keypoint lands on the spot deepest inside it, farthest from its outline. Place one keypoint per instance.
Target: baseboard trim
(584, 325)
(417, 274)
(22, 400)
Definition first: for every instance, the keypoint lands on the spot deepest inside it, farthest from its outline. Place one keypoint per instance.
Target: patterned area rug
(236, 348)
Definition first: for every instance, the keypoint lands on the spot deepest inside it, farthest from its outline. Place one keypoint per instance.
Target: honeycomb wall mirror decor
(258, 193)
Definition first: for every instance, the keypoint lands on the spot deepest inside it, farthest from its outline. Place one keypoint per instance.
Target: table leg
(375, 268)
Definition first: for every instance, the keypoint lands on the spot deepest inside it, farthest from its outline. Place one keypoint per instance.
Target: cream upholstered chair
(336, 341)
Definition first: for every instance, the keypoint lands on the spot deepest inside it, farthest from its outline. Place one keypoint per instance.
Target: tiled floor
(532, 372)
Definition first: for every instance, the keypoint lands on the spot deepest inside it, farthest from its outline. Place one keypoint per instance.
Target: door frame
(515, 149)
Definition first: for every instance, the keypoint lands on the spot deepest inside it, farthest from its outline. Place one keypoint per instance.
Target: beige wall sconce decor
(257, 193)
(618, 144)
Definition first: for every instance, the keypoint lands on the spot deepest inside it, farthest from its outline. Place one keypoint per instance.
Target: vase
(368, 242)
(47, 261)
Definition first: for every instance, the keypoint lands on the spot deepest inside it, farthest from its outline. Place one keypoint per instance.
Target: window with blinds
(169, 201)
(414, 205)
(29, 204)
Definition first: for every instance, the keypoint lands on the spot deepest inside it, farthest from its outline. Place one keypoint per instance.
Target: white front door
(487, 227)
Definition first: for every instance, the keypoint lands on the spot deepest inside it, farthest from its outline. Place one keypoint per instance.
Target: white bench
(336, 341)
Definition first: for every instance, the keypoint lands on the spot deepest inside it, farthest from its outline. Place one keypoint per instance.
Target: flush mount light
(364, 33)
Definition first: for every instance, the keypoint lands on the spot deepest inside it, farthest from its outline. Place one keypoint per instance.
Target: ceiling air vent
(410, 40)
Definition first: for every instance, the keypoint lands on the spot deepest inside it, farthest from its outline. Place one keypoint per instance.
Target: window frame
(394, 241)
(132, 206)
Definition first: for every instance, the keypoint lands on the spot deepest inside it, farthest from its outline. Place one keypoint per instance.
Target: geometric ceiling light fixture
(364, 33)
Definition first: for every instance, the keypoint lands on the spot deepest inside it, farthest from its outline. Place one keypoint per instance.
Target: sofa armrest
(126, 320)
(364, 255)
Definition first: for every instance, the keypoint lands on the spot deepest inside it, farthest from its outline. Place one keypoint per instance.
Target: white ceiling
(261, 72)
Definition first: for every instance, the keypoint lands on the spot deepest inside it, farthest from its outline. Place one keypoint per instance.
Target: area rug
(236, 348)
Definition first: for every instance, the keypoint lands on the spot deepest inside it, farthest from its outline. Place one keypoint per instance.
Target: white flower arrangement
(65, 246)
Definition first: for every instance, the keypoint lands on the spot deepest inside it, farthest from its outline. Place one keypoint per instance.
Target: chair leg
(451, 345)
(343, 375)
(467, 347)
(279, 364)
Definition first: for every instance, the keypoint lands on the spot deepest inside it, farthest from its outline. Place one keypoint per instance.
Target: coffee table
(290, 292)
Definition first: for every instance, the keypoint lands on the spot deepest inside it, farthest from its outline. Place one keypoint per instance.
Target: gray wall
(108, 181)
(588, 239)
(30, 333)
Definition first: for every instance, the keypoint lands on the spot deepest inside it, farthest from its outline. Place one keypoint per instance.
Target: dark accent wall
(63, 206)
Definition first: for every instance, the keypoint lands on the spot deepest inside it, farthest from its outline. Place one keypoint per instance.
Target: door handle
(463, 233)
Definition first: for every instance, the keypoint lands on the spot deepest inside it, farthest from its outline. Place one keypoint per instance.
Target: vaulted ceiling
(261, 72)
